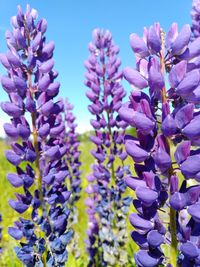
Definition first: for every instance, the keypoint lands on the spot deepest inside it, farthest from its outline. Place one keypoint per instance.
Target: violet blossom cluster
(37, 149)
(107, 208)
(195, 14)
(165, 149)
(72, 156)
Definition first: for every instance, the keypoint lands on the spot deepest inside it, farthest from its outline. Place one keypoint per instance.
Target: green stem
(37, 166)
(35, 144)
(112, 165)
(174, 243)
(172, 223)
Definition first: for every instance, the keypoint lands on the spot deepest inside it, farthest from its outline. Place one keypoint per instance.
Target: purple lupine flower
(34, 128)
(107, 185)
(165, 150)
(195, 12)
(72, 155)
(92, 241)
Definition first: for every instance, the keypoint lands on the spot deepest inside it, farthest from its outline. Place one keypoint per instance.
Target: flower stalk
(168, 116)
(35, 129)
(105, 192)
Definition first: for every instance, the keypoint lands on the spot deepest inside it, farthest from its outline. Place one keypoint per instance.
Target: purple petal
(135, 78)
(194, 48)
(20, 38)
(15, 233)
(154, 238)
(137, 153)
(20, 83)
(11, 109)
(47, 66)
(90, 178)
(30, 104)
(177, 73)
(57, 130)
(48, 178)
(44, 82)
(13, 59)
(193, 210)
(47, 108)
(139, 46)
(61, 175)
(139, 239)
(96, 140)
(15, 180)
(53, 89)
(48, 49)
(156, 80)
(36, 42)
(189, 250)
(7, 84)
(42, 26)
(18, 206)
(182, 40)
(162, 160)
(173, 184)
(150, 179)
(4, 61)
(192, 195)
(192, 129)
(189, 83)
(91, 95)
(100, 157)
(11, 130)
(145, 259)
(153, 40)
(146, 195)
(24, 131)
(95, 124)
(178, 201)
(44, 130)
(136, 119)
(53, 152)
(30, 155)
(134, 182)
(171, 35)
(12, 157)
(190, 167)
(168, 126)
(60, 222)
(145, 105)
(140, 223)
(184, 115)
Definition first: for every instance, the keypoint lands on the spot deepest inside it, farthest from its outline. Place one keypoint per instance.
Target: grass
(8, 257)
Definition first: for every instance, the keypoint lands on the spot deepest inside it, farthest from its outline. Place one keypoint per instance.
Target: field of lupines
(125, 194)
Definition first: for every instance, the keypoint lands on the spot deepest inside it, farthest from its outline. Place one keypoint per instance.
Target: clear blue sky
(70, 23)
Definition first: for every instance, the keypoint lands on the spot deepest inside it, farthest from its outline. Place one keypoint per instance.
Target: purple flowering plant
(164, 109)
(72, 156)
(107, 207)
(37, 148)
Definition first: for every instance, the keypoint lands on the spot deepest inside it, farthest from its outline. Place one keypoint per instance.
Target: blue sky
(70, 23)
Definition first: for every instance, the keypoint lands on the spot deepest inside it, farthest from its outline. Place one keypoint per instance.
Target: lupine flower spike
(37, 149)
(73, 161)
(107, 208)
(166, 148)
